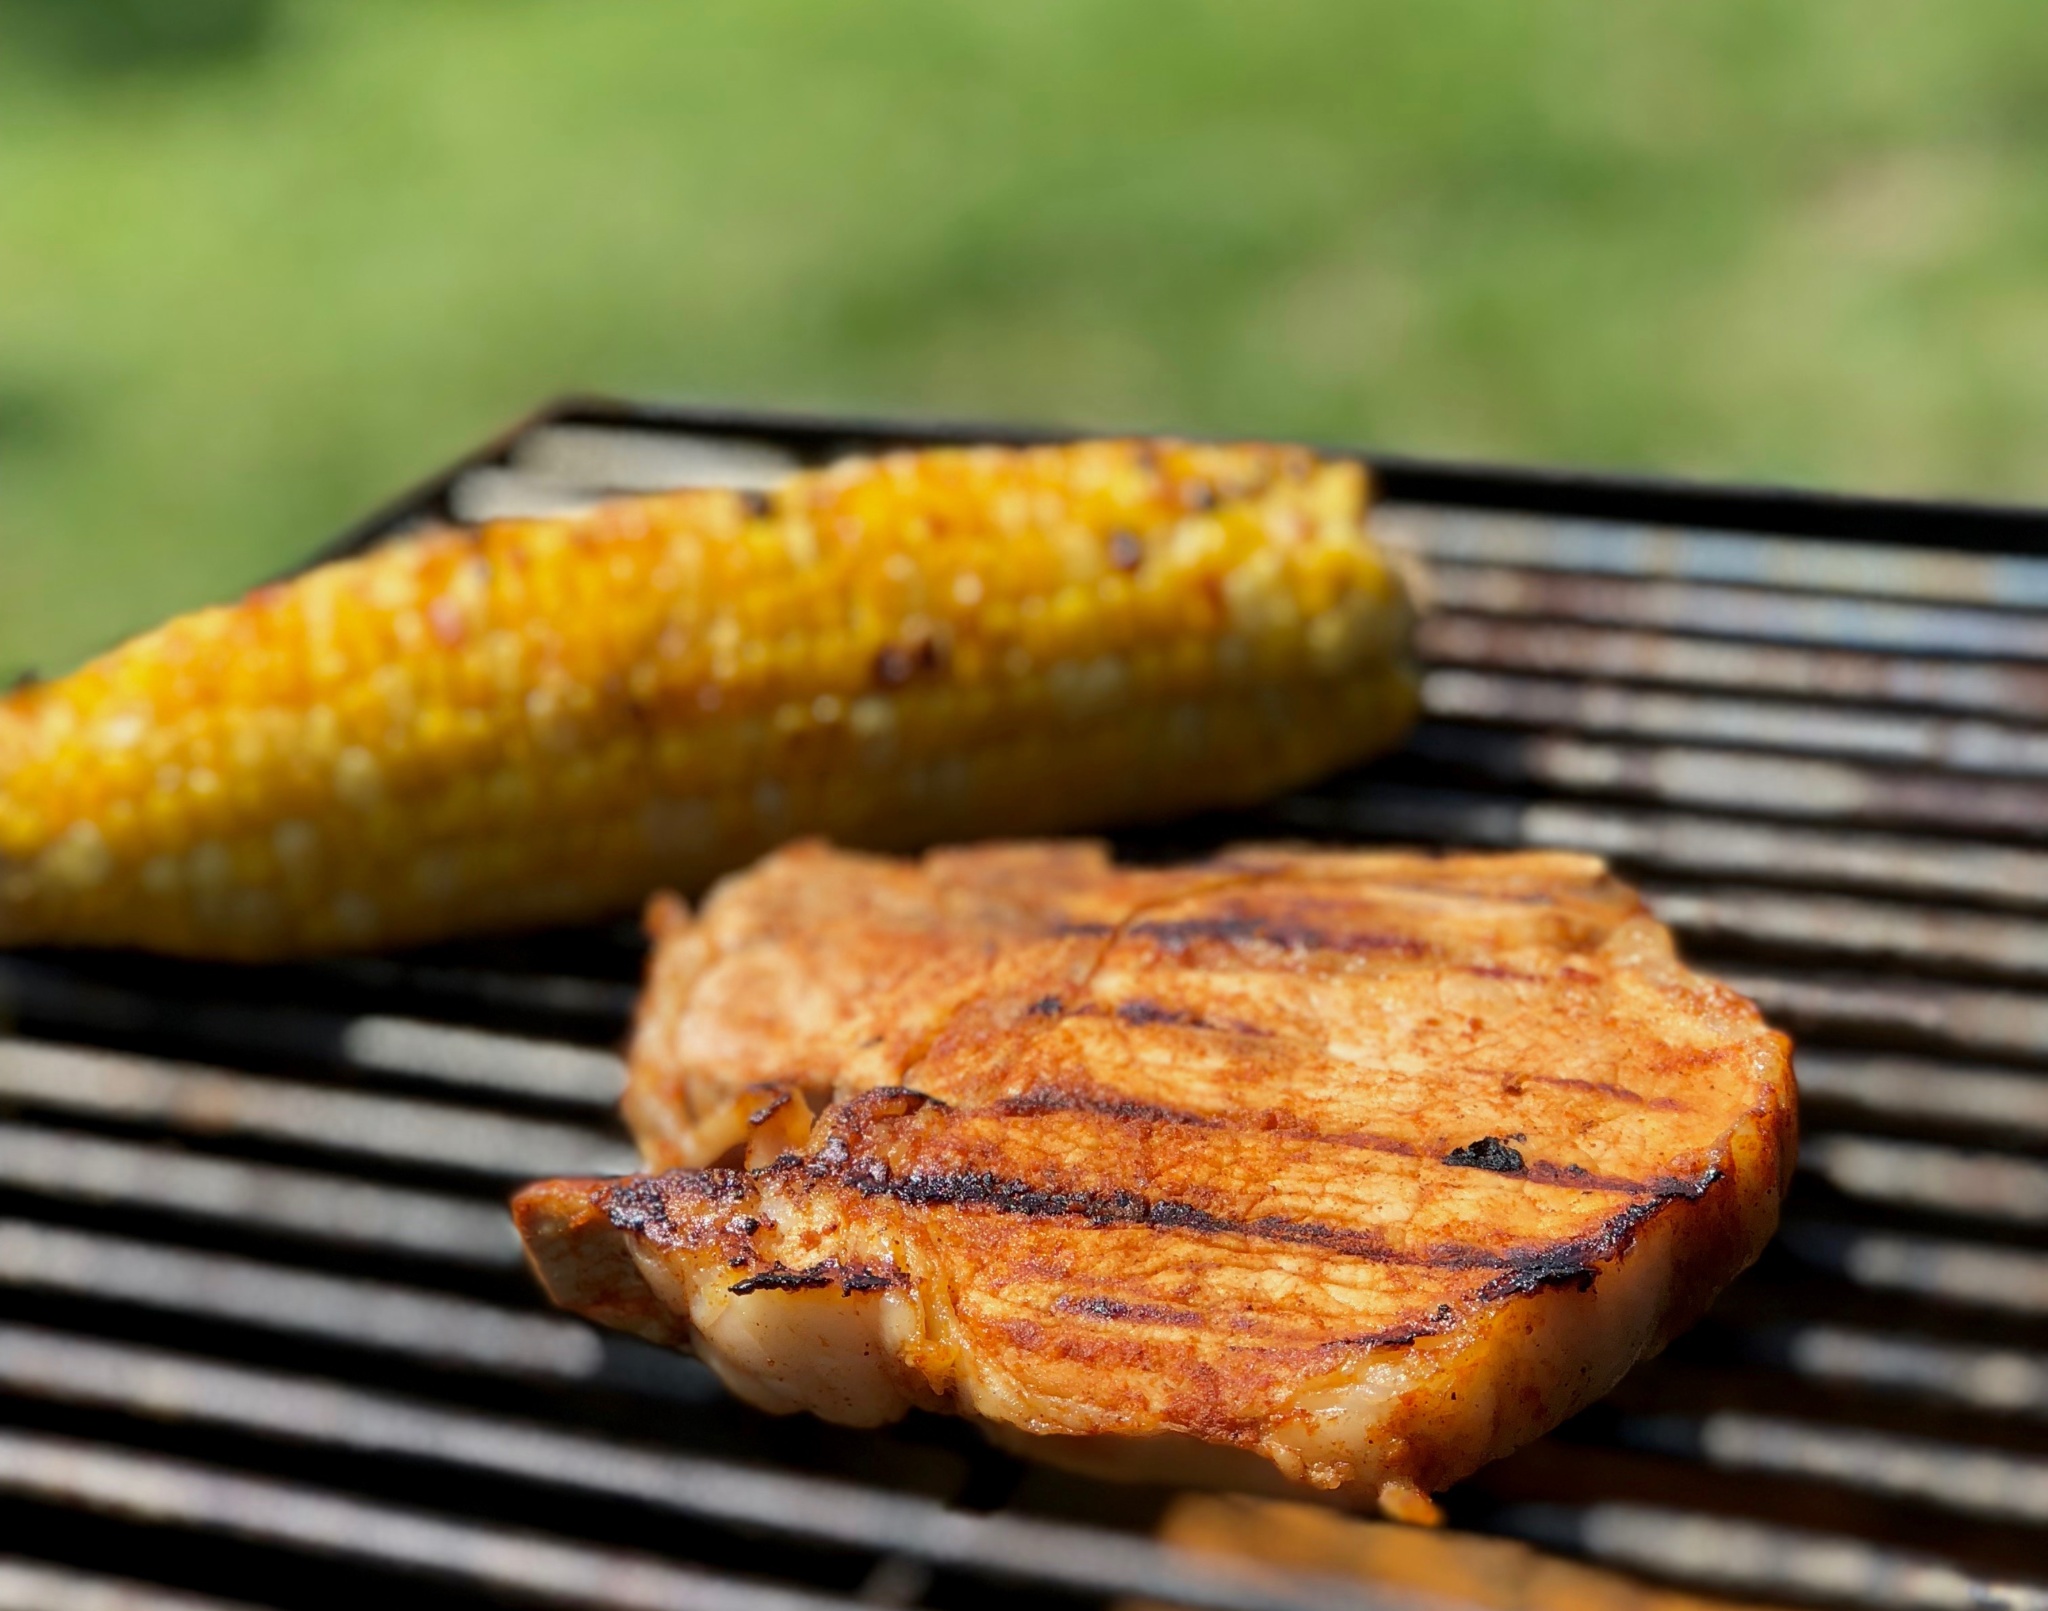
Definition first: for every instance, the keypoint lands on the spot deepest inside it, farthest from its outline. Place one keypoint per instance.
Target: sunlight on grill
(1999, 1379)
(211, 1101)
(296, 1201)
(1981, 1274)
(258, 1291)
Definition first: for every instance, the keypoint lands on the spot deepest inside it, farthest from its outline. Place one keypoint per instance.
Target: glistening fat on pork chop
(1361, 1169)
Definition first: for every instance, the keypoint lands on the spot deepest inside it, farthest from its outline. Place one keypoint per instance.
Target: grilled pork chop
(1369, 1167)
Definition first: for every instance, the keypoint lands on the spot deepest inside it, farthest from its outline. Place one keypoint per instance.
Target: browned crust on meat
(1367, 1166)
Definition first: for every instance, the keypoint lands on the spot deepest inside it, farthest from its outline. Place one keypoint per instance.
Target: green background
(261, 264)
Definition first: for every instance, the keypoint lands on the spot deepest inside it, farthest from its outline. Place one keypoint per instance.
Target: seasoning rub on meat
(1353, 1169)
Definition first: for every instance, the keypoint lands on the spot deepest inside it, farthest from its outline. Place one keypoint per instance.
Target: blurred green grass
(261, 264)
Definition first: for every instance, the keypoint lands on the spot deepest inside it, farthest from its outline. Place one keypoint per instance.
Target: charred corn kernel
(544, 720)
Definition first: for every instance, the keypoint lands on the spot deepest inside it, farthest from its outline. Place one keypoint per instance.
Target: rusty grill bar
(265, 1339)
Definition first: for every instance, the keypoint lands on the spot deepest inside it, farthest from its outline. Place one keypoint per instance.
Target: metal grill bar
(213, 1101)
(378, 1043)
(1739, 781)
(1615, 548)
(614, 461)
(1743, 613)
(35, 1586)
(1998, 1023)
(295, 1202)
(2003, 1380)
(2010, 1100)
(1864, 930)
(508, 1063)
(1978, 1274)
(364, 1314)
(156, 1383)
(1946, 1180)
(1758, 1558)
(1682, 844)
(1978, 1480)
(1826, 761)
(459, 991)
(1621, 654)
(1806, 729)
(519, 1562)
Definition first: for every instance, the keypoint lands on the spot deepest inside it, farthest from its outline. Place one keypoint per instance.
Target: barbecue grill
(265, 1337)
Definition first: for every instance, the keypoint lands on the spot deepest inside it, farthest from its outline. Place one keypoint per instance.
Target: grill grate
(265, 1338)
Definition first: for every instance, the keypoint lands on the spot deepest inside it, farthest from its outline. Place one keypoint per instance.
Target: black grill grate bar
(1831, 1276)
(2013, 1102)
(490, 1062)
(515, 1065)
(1961, 1182)
(550, 475)
(27, 1585)
(584, 457)
(1854, 930)
(1988, 1022)
(160, 1384)
(298, 1203)
(454, 992)
(517, 1562)
(1742, 614)
(1942, 1270)
(1680, 843)
(1769, 786)
(1876, 735)
(403, 1130)
(383, 1316)
(1864, 1430)
(1623, 654)
(1992, 1483)
(1830, 1262)
(2002, 1381)
(1626, 549)
(1756, 1557)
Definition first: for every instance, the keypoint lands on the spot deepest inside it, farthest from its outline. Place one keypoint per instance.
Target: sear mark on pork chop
(830, 1273)
(1148, 1171)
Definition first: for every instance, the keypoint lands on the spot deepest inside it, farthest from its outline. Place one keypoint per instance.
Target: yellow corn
(543, 720)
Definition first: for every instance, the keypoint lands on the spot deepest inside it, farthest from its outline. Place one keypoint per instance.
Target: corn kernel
(542, 720)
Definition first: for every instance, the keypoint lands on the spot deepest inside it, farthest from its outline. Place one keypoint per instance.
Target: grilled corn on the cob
(542, 720)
